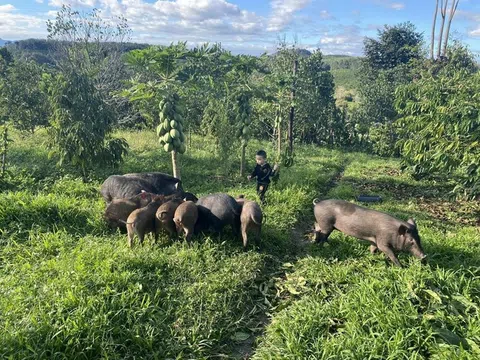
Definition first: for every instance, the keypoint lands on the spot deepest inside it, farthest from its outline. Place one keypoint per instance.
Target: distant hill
(344, 70)
(44, 51)
(3, 42)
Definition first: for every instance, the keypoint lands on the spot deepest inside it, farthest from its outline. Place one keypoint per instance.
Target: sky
(249, 26)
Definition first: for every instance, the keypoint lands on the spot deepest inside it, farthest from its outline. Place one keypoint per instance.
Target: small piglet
(383, 231)
(164, 217)
(117, 212)
(251, 219)
(186, 216)
(142, 221)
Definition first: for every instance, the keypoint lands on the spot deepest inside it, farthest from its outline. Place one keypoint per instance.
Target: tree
(396, 45)
(432, 42)
(81, 123)
(389, 62)
(161, 85)
(316, 112)
(443, 36)
(26, 102)
(439, 126)
(82, 116)
(450, 18)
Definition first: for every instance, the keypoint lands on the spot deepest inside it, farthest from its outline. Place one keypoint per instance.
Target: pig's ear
(402, 230)
(412, 222)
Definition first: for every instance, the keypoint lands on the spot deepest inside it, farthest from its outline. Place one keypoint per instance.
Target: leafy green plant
(440, 126)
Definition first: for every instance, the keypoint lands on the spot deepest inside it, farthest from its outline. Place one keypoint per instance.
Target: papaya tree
(158, 90)
(239, 79)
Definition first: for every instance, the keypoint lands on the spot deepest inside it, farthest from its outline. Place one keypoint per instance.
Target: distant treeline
(44, 51)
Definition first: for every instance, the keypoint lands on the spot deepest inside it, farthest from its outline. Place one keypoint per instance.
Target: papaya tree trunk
(176, 168)
(242, 160)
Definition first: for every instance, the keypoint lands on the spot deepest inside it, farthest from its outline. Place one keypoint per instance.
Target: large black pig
(128, 185)
(215, 211)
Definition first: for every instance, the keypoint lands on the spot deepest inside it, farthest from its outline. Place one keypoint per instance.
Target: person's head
(261, 157)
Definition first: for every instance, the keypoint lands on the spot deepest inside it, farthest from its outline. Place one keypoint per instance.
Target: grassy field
(71, 289)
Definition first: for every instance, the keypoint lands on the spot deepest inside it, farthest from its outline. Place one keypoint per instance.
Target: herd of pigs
(142, 203)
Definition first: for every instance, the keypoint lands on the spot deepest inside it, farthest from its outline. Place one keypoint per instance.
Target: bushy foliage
(440, 124)
(81, 123)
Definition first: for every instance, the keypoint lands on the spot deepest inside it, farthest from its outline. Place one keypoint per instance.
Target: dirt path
(245, 349)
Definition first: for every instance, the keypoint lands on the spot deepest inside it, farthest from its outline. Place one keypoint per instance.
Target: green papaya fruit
(166, 125)
(168, 147)
(173, 124)
(174, 133)
(178, 117)
(182, 148)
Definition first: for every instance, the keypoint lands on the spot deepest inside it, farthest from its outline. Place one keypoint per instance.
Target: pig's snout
(423, 259)
(419, 254)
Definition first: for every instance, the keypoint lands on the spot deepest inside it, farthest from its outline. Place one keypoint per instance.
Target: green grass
(71, 289)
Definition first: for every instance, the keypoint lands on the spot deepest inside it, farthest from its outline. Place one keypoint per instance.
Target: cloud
(325, 15)
(342, 40)
(475, 33)
(283, 12)
(7, 8)
(397, 6)
(39, 1)
(16, 26)
(73, 3)
(389, 4)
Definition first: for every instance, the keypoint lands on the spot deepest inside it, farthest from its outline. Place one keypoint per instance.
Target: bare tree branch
(443, 11)
(432, 45)
(447, 32)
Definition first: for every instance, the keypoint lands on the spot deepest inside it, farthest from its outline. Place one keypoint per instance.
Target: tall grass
(70, 287)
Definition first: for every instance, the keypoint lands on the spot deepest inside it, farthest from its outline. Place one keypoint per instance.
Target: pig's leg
(389, 252)
(130, 236)
(373, 249)
(244, 235)
(141, 236)
(236, 226)
(257, 235)
(322, 236)
(188, 234)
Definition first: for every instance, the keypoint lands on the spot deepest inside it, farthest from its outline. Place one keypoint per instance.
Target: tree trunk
(4, 150)
(190, 137)
(242, 160)
(432, 45)
(292, 109)
(176, 169)
(443, 11)
(279, 141)
(447, 32)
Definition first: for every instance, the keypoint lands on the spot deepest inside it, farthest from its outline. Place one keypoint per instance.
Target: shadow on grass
(340, 248)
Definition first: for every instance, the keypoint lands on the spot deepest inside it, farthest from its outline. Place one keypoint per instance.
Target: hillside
(44, 51)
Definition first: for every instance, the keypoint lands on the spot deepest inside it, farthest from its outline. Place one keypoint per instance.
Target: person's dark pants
(261, 190)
